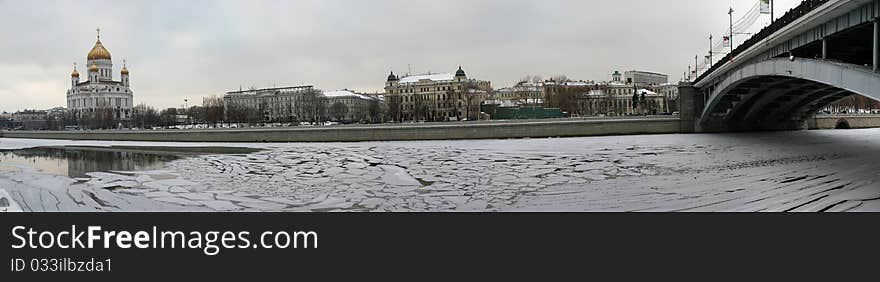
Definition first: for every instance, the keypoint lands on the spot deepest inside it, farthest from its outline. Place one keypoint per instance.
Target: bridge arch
(782, 93)
(842, 124)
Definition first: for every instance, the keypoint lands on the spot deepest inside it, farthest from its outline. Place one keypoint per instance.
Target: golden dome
(124, 70)
(99, 52)
(93, 68)
(74, 74)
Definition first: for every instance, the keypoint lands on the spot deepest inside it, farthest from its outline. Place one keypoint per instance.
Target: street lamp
(710, 51)
(186, 109)
(731, 28)
(772, 18)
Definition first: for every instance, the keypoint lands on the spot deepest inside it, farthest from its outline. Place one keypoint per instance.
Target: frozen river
(780, 171)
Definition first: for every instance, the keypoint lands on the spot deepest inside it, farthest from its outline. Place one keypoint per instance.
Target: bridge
(814, 55)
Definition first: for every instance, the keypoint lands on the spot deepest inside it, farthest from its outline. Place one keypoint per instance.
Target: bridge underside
(782, 93)
(770, 103)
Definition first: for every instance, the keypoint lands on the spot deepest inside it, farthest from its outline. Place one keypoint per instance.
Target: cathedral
(100, 96)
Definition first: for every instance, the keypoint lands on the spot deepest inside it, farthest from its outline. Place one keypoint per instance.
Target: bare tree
(854, 104)
(374, 111)
(168, 117)
(564, 97)
(235, 112)
(338, 111)
(312, 106)
(196, 114)
(473, 96)
(144, 116)
(532, 78)
(560, 78)
(214, 110)
(395, 108)
(99, 118)
(421, 110)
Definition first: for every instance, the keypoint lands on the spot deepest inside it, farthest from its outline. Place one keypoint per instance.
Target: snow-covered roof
(647, 92)
(521, 87)
(513, 103)
(343, 93)
(432, 77)
(570, 83)
(577, 83)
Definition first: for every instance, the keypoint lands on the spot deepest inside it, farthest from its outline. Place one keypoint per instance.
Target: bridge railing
(792, 15)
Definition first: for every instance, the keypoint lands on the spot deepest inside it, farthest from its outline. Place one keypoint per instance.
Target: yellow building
(435, 97)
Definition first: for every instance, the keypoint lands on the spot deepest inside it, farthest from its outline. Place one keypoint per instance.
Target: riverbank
(384, 132)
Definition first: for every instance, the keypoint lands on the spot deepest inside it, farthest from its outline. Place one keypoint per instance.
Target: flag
(765, 7)
(727, 41)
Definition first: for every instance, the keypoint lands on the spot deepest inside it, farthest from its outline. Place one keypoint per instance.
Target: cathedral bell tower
(74, 77)
(124, 76)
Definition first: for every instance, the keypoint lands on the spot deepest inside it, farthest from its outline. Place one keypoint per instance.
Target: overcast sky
(192, 49)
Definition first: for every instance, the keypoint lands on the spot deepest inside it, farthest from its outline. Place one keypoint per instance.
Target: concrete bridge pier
(690, 105)
(692, 102)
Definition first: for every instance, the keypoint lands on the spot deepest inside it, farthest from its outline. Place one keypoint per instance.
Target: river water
(832, 170)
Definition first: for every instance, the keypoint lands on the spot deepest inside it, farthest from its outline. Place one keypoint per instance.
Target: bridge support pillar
(824, 48)
(690, 105)
(876, 42)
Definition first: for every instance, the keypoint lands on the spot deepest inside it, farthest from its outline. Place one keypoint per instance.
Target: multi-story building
(614, 98)
(296, 103)
(567, 95)
(670, 93)
(100, 96)
(348, 106)
(521, 94)
(435, 97)
(31, 119)
(617, 99)
(644, 78)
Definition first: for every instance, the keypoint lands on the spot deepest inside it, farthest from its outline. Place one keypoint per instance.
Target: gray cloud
(191, 49)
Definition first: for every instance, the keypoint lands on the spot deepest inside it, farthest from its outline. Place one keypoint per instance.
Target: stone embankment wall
(408, 132)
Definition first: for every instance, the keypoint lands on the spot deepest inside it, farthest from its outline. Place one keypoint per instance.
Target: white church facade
(100, 96)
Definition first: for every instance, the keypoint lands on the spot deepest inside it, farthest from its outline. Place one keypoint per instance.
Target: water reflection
(75, 162)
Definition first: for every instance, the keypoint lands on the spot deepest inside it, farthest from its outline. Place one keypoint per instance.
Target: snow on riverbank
(779, 171)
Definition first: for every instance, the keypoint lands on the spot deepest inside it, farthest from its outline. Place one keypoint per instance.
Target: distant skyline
(180, 50)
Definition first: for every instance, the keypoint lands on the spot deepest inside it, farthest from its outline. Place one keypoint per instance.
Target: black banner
(432, 245)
